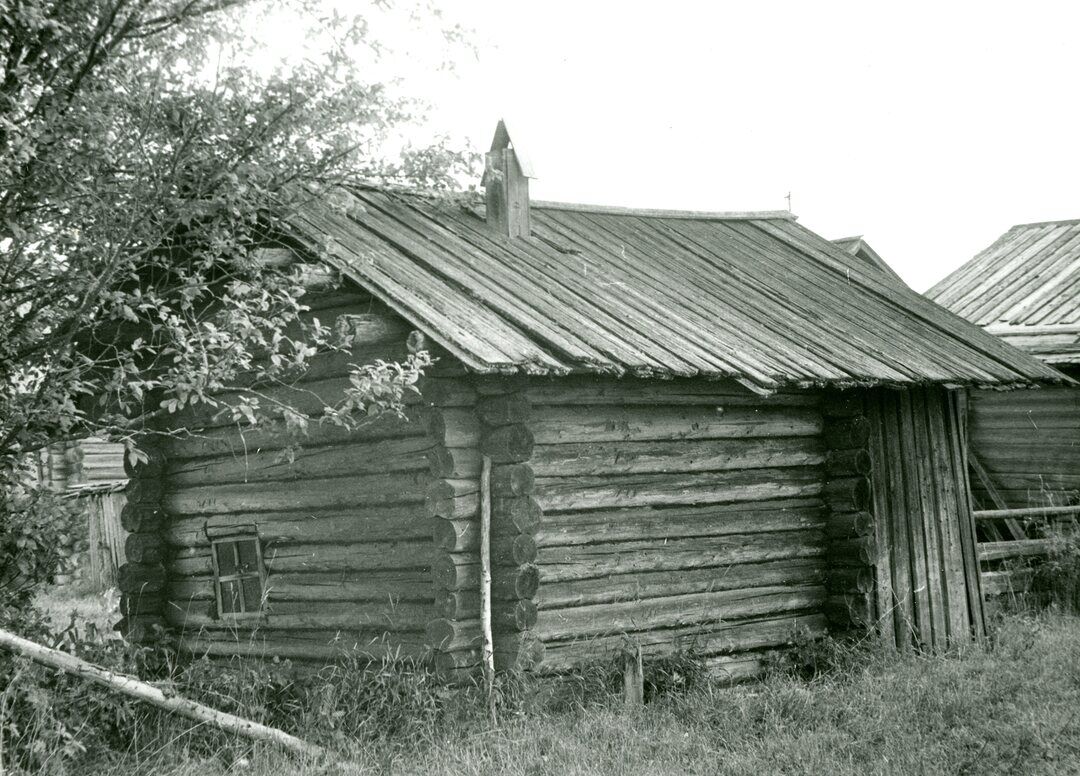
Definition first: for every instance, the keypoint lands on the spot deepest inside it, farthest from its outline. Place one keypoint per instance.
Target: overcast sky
(929, 128)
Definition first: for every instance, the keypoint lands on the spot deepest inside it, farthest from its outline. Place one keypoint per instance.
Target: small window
(238, 574)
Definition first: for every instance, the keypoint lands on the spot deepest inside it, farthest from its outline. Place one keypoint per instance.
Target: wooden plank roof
(754, 297)
(858, 247)
(1025, 288)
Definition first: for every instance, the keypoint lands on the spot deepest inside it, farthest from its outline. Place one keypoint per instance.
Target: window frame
(234, 537)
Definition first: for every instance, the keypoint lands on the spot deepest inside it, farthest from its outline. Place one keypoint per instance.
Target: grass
(1011, 706)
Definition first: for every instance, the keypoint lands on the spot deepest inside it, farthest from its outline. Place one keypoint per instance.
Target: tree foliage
(144, 150)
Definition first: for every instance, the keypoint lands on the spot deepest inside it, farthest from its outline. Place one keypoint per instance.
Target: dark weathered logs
(376, 457)
(655, 456)
(150, 468)
(560, 425)
(848, 493)
(141, 517)
(320, 557)
(640, 490)
(843, 463)
(503, 410)
(462, 572)
(144, 548)
(507, 444)
(847, 525)
(141, 578)
(144, 491)
(856, 609)
(599, 560)
(643, 523)
(512, 480)
(464, 536)
(592, 390)
(520, 514)
(373, 524)
(674, 611)
(656, 584)
(847, 434)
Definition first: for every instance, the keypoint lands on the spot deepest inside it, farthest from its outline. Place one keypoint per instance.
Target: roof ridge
(702, 215)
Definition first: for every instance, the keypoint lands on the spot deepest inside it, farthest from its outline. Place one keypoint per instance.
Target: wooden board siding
(923, 553)
(681, 514)
(1029, 444)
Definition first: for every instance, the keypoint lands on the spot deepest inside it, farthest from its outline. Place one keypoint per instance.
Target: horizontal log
(405, 454)
(150, 468)
(843, 404)
(461, 572)
(447, 392)
(140, 578)
(504, 409)
(302, 645)
(1024, 548)
(389, 523)
(704, 640)
(521, 514)
(639, 490)
(593, 390)
(307, 615)
(454, 462)
(841, 463)
(848, 493)
(440, 501)
(512, 479)
(662, 456)
(366, 490)
(1007, 581)
(144, 548)
(144, 491)
(560, 425)
(141, 517)
(507, 444)
(860, 551)
(558, 564)
(321, 557)
(674, 611)
(382, 586)
(856, 609)
(666, 523)
(848, 525)
(846, 434)
(851, 580)
(238, 441)
(654, 584)
(514, 614)
(460, 427)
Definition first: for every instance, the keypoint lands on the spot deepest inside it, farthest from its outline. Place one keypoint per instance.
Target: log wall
(343, 520)
(683, 515)
(1029, 444)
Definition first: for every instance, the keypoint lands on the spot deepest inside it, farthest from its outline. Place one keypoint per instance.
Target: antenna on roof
(788, 198)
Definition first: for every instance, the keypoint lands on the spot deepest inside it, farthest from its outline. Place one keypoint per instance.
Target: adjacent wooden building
(704, 431)
(1025, 289)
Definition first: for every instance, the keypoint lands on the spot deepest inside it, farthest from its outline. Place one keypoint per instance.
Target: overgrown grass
(1011, 705)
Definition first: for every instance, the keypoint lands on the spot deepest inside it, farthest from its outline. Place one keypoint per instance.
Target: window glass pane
(230, 597)
(252, 593)
(249, 558)
(226, 559)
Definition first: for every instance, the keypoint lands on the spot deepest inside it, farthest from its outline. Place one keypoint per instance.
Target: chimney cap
(502, 140)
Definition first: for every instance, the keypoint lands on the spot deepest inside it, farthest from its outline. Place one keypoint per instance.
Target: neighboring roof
(860, 249)
(1024, 288)
(754, 297)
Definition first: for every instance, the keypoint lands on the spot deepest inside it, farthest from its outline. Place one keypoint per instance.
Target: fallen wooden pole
(156, 697)
(992, 514)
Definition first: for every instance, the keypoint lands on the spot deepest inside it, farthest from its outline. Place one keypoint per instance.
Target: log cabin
(693, 431)
(1024, 289)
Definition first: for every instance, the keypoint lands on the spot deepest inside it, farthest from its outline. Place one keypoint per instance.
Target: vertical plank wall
(680, 514)
(1029, 444)
(927, 574)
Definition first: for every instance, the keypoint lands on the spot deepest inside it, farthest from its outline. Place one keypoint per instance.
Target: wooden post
(633, 677)
(487, 648)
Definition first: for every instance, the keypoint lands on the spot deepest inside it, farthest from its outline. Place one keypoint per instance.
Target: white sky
(929, 128)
